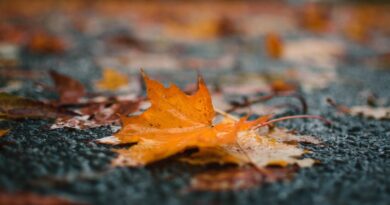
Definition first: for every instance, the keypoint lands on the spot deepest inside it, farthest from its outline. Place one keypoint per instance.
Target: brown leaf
(128, 41)
(239, 178)
(44, 43)
(69, 89)
(19, 74)
(98, 114)
(14, 107)
(27, 198)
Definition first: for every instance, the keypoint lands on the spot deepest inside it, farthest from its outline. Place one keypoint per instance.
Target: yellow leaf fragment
(274, 45)
(112, 80)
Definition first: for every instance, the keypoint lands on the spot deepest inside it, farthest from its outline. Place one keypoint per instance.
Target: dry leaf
(280, 85)
(315, 18)
(26, 198)
(261, 151)
(238, 178)
(202, 29)
(174, 122)
(69, 89)
(274, 45)
(285, 136)
(112, 80)
(379, 113)
(44, 43)
(128, 41)
(97, 114)
(3, 132)
(14, 107)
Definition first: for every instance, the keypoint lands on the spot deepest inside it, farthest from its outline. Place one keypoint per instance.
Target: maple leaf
(174, 122)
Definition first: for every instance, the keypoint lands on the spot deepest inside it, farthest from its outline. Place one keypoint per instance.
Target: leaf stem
(225, 114)
(327, 122)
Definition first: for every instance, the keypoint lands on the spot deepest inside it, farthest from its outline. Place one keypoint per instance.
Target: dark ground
(354, 169)
(354, 165)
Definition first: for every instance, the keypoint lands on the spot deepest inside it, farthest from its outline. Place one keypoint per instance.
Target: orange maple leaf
(174, 122)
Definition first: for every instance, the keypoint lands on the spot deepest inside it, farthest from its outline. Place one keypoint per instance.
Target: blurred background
(299, 41)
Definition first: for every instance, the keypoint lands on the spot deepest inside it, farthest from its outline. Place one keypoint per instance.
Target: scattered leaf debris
(15, 107)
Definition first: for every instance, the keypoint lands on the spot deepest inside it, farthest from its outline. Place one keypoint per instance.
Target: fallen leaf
(17, 73)
(44, 43)
(174, 122)
(69, 89)
(27, 198)
(273, 45)
(128, 41)
(3, 132)
(14, 107)
(315, 18)
(261, 151)
(112, 80)
(379, 113)
(202, 29)
(238, 178)
(286, 136)
(97, 115)
(282, 86)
